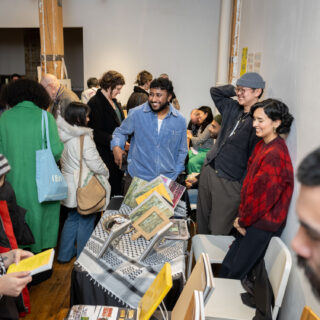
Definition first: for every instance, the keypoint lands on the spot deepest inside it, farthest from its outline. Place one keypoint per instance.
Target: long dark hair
(209, 118)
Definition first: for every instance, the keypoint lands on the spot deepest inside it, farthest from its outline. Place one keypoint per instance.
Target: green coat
(20, 137)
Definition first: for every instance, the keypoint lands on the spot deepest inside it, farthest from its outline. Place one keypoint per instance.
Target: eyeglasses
(242, 90)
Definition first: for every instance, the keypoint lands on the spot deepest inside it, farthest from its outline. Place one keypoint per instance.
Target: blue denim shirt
(152, 153)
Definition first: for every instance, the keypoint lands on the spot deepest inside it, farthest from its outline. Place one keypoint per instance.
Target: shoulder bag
(91, 198)
(51, 184)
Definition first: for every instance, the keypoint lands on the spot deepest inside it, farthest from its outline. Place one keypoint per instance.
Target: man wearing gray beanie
(225, 166)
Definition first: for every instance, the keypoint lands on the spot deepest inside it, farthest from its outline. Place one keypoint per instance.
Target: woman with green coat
(20, 137)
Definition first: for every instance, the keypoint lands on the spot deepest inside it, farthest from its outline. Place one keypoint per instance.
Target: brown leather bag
(92, 197)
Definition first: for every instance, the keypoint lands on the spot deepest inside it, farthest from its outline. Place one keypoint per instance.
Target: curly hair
(275, 110)
(25, 90)
(143, 77)
(208, 119)
(111, 79)
(162, 84)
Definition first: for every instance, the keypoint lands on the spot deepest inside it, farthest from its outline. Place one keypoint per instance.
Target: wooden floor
(50, 299)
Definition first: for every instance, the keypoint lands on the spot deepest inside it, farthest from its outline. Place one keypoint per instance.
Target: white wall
(287, 33)
(178, 37)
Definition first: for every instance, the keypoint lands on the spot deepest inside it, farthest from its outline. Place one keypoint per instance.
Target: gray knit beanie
(4, 165)
(251, 80)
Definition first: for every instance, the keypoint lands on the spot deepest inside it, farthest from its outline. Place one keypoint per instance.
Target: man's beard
(163, 106)
(311, 275)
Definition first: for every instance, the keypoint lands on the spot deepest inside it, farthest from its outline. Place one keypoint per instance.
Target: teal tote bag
(51, 184)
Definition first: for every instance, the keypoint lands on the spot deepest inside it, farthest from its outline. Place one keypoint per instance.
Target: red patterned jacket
(267, 188)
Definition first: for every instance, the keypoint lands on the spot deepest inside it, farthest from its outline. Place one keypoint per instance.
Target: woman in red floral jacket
(266, 191)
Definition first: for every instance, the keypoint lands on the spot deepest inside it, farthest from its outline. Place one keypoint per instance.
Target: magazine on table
(176, 189)
(130, 198)
(88, 312)
(157, 185)
(178, 231)
(154, 200)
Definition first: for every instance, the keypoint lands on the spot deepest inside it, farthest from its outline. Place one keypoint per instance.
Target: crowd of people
(237, 160)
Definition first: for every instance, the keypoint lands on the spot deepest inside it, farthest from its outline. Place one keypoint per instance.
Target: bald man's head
(51, 84)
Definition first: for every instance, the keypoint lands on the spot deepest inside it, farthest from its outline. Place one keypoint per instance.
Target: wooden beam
(51, 37)
(235, 39)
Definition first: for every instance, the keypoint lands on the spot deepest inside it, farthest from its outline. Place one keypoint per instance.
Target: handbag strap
(81, 151)
(44, 122)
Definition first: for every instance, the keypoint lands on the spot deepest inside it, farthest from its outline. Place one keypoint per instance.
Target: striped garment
(4, 165)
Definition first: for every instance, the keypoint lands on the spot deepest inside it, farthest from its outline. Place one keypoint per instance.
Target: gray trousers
(218, 203)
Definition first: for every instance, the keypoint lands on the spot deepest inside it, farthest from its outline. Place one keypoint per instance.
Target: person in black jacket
(140, 92)
(225, 166)
(105, 116)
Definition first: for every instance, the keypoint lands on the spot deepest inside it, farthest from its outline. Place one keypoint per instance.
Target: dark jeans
(245, 252)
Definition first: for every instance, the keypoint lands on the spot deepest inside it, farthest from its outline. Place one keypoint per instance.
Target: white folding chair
(226, 303)
(215, 246)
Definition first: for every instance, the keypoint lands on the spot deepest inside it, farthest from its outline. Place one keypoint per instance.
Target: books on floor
(38, 263)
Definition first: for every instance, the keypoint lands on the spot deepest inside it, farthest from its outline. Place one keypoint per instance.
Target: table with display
(118, 278)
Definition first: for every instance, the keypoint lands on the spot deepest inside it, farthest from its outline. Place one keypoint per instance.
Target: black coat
(21, 230)
(103, 121)
(138, 97)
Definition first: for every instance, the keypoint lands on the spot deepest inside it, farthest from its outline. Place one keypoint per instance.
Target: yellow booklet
(160, 188)
(155, 293)
(36, 264)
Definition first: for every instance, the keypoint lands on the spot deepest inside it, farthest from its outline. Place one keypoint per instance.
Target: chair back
(278, 263)
(308, 314)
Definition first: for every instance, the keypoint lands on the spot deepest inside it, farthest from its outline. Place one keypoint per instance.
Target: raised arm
(222, 97)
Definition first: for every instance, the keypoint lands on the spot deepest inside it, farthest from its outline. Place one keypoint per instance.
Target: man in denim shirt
(225, 166)
(159, 141)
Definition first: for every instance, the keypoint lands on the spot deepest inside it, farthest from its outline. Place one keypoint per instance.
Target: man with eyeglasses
(225, 166)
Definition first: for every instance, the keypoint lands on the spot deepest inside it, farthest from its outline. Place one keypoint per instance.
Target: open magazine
(176, 189)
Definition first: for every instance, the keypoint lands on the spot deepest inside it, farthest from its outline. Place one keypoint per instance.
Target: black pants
(245, 252)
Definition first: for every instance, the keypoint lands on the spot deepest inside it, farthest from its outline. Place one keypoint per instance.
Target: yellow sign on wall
(243, 69)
